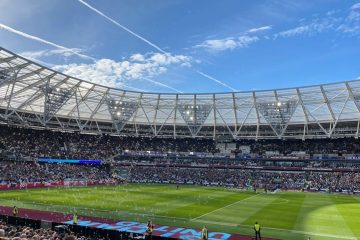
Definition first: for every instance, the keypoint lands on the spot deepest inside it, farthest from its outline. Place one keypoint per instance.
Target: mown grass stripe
(227, 206)
(286, 215)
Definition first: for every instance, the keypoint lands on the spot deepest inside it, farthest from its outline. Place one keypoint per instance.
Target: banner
(56, 184)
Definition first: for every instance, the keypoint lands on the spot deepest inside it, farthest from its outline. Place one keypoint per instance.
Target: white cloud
(309, 29)
(245, 41)
(103, 71)
(227, 43)
(354, 16)
(260, 29)
(351, 24)
(115, 73)
(137, 57)
(48, 53)
(295, 31)
(167, 59)
(355, 6)
(354, 13)
(348, 24)
(218, 44)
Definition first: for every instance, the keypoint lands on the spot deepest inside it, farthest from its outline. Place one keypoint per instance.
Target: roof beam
(18, 67)
(39, 93)
(327, 103)
(33, 84)
(8, 59)
(81, 100)
(257, 115)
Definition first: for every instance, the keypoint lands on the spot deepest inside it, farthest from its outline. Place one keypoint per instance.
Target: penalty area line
(229, 205)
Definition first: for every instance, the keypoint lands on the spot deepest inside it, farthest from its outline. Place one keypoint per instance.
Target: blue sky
(186, 45)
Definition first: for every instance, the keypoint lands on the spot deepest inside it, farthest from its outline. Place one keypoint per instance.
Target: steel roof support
(304, 111)
(25, 76)
(168, 117)
(8, 59)
(195, 118)
(38, 94)
(351, 94)
(55, 99)
(327, 103)
(243, 122)
(257, 115)
(155, 115)
(78, 120)
(134, 118)
(337, 119)
(81, 100)
(307, 113)
(11, 93)
(18, 67)
(235, 112)
(226, 124)
(282, 132)
(175, 114)
(147, 118)
(215, 119)
(96, 108)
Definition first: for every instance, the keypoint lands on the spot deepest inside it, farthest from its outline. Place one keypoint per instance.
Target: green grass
(285, 215)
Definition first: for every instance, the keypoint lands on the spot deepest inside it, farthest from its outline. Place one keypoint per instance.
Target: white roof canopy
(36, 96)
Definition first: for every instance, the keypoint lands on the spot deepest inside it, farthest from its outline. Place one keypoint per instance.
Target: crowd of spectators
(12, 172)
(25, 142)
(12, 232)
(313, 146)
(332, 181)
(338, 164)
(32, 144)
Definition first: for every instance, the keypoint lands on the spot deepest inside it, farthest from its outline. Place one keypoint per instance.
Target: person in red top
(149, 229)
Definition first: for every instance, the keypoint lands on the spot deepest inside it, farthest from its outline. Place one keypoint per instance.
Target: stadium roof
(35, 96)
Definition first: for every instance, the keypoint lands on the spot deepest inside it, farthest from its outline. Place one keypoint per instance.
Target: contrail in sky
(38, 39)
(123, 27)
(32, 37)
(217, 81)
(149, 42)
(161, 84)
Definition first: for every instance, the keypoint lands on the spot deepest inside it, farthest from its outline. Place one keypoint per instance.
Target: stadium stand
(150, 161)
(56, 130)
(28, 143)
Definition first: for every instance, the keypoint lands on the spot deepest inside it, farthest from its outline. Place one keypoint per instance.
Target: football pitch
(282, 215)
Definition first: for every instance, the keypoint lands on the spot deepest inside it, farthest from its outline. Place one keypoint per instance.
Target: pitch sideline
(221, 223)
(278, 229)
(206, 221)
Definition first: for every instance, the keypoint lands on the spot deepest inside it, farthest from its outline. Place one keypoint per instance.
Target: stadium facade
(35, 96)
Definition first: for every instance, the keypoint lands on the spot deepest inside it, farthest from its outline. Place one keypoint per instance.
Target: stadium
(81, 160)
